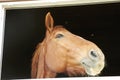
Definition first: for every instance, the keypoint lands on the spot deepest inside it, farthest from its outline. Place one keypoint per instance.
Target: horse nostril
(93, 54)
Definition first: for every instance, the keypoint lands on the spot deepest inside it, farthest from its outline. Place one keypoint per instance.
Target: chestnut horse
(63, 52)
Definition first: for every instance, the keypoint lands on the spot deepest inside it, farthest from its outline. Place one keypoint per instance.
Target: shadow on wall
(24, 29)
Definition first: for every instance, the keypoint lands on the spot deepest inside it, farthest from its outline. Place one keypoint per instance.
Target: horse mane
(39, 67)
(35, 60)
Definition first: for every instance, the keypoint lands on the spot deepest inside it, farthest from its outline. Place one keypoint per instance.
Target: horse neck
(48, 73)
(44, 72)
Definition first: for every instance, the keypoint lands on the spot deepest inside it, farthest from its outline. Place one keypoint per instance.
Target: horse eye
(59, 36)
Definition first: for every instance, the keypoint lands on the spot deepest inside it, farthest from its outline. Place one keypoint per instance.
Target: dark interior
(24, 29)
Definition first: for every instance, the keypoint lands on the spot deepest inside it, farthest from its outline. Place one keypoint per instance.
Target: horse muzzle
(93, 64)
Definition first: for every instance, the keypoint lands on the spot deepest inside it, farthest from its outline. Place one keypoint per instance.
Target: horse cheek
(56, 59)
(54, 63)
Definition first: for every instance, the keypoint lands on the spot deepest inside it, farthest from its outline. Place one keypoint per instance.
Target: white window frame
(46, 3)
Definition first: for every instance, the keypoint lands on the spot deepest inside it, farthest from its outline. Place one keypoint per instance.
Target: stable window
(22, 28)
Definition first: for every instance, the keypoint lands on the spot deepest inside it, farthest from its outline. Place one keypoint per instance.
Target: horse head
(63, 52)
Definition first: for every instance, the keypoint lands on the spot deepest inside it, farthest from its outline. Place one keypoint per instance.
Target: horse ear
(49, 22)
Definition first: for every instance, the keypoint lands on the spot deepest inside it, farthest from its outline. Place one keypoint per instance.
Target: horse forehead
(59, 28)
(75, 39)
(72, 36)
(78, 39)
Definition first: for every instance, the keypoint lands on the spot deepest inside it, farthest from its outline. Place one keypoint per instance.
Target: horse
(64, 52)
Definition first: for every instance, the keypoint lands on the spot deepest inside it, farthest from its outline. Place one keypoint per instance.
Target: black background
(24, 29)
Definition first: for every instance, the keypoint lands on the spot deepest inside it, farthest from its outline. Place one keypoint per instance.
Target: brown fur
(64, 55)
